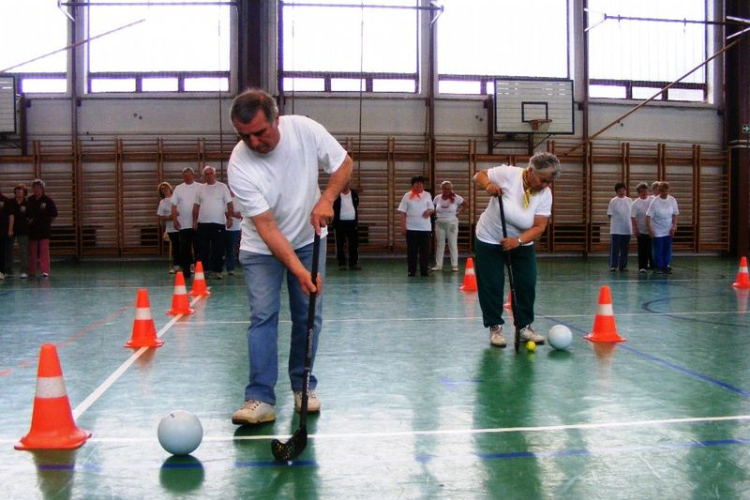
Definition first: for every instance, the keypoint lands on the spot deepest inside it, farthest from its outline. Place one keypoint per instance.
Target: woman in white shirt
(619, 228)
(164, 211)
(661, 219)
(448, 206)
(416, 207)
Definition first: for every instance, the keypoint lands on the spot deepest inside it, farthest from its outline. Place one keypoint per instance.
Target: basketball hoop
(540, 125)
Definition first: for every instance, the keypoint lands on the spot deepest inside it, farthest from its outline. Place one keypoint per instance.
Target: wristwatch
(519, 241)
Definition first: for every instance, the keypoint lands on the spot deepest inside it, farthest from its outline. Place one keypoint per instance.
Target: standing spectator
(346, 226)
(164, 211)
(183, 199)
(620, 228)
(661, 219)
(640, 229)
(212, 204)
(416, 208)
(654, 189)
(232, 235)
(448, 206)
(273, 172)
(527, 203)
(4, 227)
(18, 229)
(42, 213)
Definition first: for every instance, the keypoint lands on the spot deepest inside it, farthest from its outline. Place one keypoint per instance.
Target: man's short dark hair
(246, 105)
(619, 185)
(417, 178)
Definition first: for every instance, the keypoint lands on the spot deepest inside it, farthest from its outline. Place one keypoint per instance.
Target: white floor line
(91, 399)
(445, 432)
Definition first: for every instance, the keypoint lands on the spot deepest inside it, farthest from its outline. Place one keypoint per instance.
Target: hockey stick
(511, 281)
(284, 452)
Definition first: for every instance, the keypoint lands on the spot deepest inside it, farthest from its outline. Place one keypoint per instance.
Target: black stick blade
(285, 452)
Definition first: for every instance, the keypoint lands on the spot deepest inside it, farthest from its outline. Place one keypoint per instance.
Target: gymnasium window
(160, 48)
(328, 46)
(634, 59)
(20, 43)
(478, 40)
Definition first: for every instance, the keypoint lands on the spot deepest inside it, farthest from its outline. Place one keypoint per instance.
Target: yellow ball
(531, 345)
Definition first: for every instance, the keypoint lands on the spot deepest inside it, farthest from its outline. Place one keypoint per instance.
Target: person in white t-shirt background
(620, 228)
(640, 229)
(346, 226)
(212, 203)
(183, 199)
(448, 206)
(661, 219)
(232, 236)
(416, 208)
(273, 173)
(164, 211)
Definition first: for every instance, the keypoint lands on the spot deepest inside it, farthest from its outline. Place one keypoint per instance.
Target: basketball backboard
(521, 104)
(7, 105)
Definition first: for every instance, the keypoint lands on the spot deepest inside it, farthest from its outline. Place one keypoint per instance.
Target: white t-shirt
(414, 209)
(619, 211)
(638, 211)
(213, 200)
(347, 207)
(445, 209)
(284, 181)
(183, 197)
(165, 210)
(517, 218)
(236, 221)
(661, 211)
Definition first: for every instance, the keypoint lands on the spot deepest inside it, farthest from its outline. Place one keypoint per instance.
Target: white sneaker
(45, 275)
(2, 276)
(313, 402)
(437, 268)
(528, 333)
(24, 275)
(496, 336)
(174, 269)
(455, 268)
(253, 412)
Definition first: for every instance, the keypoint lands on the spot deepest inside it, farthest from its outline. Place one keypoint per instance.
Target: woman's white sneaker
(528, 333)
(254, 412)
(496, 336)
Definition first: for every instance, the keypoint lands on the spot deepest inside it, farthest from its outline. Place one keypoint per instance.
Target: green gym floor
(416, 404)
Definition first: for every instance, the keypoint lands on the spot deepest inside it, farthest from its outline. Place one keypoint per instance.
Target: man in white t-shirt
(273, 173)
(620, 228)
(416, 208)
(183, 199)
(346, 225)
(212, 203)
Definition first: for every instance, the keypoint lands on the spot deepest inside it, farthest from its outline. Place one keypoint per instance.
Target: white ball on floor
(560, 337)
(180, 432)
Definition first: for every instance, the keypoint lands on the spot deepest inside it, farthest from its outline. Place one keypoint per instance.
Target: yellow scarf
(527, 194)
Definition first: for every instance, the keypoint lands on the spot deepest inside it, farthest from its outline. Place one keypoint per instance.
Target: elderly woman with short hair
(448, 206)
(416, 208)
(661, 219)
(527, 202)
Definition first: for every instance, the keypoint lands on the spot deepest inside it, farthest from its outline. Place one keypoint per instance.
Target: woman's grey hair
(160, 189)
(546, 162)
(208, 168)
(38, 182)
(641, 185)
(246, 105)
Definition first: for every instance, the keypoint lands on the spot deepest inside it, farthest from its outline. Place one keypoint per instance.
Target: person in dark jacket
(41, 213)
(345, 222)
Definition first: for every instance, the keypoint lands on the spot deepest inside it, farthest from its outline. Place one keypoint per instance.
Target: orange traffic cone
(742, 278)
(604, 322)
(180, 304)
(470, 278)
(144, 331)
(52, 424)
(199, 282)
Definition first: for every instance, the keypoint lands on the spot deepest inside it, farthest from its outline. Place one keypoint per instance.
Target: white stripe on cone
(605, 310)
(199, 276)
(50, 387)
(180, 289)
(142, 313)
(470, 270)
(743, 269)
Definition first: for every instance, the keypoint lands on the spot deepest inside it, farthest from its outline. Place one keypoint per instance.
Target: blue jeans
(263, 278)
(662, 252)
